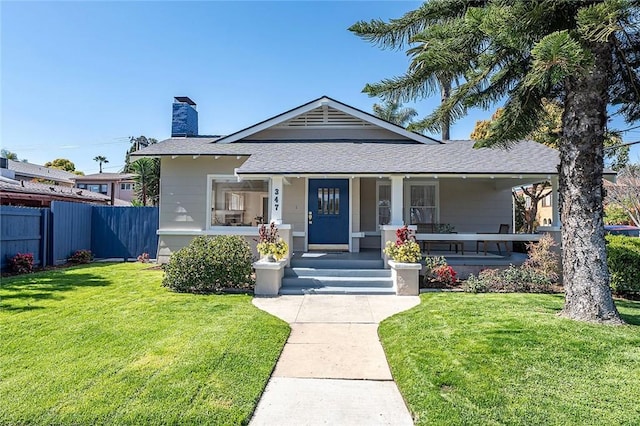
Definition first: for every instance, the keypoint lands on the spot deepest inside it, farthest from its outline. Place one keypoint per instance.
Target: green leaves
(556, 57)
(599, 21)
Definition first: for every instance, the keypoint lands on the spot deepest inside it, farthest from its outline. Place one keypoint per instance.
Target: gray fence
(52, 235)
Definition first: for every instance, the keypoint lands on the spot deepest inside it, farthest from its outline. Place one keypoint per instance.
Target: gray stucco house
(334, 178)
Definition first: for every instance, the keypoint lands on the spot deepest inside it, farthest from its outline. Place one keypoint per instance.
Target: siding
(295, 208)
(474, 205)
(368, 212)
(183, 189)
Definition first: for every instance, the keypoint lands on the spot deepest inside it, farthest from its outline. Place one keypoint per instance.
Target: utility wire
(630, 128)
(621, 145)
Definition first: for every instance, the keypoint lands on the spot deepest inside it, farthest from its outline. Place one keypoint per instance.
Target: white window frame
(124, 185)
(408, 183)
(380, 183)
(229, 178)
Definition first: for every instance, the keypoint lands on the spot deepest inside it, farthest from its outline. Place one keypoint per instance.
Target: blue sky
(79, 78)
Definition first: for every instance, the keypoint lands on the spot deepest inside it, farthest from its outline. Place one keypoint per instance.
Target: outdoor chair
(504, 229)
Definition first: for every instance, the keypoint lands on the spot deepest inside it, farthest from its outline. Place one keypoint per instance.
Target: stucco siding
(183, 189)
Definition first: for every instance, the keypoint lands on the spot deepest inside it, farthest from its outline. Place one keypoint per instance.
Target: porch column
(276, 199)
(397, 190)
(555, 202)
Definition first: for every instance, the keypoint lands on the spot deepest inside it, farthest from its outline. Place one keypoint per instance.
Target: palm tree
(100, 159)
(147, 180)
(586, 54)
(393, 112)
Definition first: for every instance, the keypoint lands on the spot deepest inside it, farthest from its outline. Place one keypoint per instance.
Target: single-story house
(334, 177)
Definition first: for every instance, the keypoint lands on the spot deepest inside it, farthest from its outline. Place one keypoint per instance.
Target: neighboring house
(334, 178)
(118, 185)
(545, 211)
(21, 171)
(32, 185)
(34, 194)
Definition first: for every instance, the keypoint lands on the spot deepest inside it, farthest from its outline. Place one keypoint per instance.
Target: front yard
(508, 359)
(105, 343)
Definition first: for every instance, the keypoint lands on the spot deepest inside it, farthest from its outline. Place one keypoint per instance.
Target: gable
(325, 119)
(324, 116)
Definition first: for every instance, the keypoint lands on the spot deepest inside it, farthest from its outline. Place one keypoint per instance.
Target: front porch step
(337, 263)
(336, 281)
(296, 291)
(322, 272)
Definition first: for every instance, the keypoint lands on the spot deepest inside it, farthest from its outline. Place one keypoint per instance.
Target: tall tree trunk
(445, 93)
(585, 274)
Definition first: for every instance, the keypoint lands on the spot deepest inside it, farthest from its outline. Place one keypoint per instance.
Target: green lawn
(105, 343)
(508, 359)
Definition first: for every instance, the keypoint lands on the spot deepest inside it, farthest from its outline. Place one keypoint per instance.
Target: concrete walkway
(333, 369)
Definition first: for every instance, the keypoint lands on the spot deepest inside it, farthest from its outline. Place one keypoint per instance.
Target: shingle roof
(52, 190)
(105, 176)
(37, 171)
(453, 157)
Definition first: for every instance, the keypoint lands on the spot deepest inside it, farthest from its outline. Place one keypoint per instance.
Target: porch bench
(436, 228)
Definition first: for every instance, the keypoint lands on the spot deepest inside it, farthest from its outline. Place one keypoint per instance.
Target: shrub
(210, 264)
(623, 260)
(511, 280)
(437, 270)
(536, 275)
(445, 274)
(404, 249)
(476, 284)
(22, 263)
(543, 258)
(432, 262)
(81, 256)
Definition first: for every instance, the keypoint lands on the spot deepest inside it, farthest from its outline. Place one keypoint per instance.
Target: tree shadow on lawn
(634, 318)
(19, 293)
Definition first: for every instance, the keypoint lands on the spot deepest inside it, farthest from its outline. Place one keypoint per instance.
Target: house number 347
(276, 198)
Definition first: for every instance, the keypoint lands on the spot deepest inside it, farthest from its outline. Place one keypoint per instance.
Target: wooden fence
(53, 234)
(23, 230)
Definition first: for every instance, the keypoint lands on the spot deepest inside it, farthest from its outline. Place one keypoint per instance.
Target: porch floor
(453, 258)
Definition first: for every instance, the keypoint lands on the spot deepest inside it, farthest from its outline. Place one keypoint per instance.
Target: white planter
(405, 278)
(268, 277)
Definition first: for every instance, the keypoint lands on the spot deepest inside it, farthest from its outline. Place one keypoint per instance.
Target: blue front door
(328, 214)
